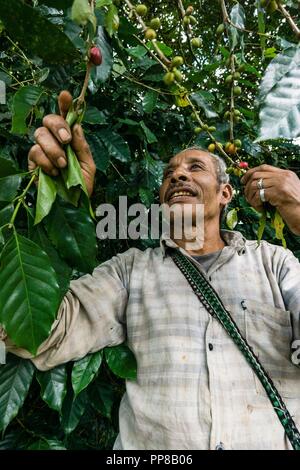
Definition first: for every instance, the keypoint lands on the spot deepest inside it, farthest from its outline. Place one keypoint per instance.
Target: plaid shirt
(194, 389)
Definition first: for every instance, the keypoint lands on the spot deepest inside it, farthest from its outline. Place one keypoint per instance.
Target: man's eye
(195, 165)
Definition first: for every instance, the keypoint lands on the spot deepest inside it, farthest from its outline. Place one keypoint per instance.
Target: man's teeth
(181, 193)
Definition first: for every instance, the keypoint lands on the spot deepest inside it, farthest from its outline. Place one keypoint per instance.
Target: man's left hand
(281, 190)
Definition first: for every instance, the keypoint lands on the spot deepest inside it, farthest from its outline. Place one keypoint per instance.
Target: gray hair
(220, 165)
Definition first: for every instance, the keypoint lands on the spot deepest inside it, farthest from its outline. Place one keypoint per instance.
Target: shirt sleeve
(289, 281)
(91, 316)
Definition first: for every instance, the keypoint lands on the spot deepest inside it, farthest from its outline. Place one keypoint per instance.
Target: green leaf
(23, 103)
(100, 74)
(121, 361)
(72, 410)
(94, 116)
(166, 50)
(200, 99)
(36, 33)
(9, 187)
(237, 17)
(232, 218)
(278, 224)
(29, 287)
(71, 195)
(7, 167)
(84, 371)
(53, 386)
(137, 51)
(72, 232)
(45, 197)
(47, 444)
(149, 101)
(280, 97)
(261, 26)
(6, 214)
(99, 151)
(102, 397)
(115, 145)
(151, 138)
(63, 271)
(15, 379)
(72, 175)
(82, 13)
(58, 4)
(261, 226)
(112, 20)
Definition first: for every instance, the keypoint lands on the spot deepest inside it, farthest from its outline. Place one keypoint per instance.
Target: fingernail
(61, 162)
(63, 134)
(54, 172)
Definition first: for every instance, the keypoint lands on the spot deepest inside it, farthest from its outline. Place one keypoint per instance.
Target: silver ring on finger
(262, 196)
(260, 184)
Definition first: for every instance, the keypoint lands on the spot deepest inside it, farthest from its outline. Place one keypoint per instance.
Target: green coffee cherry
(237, 91)
(228, 79)
(220, 29)
(169, 78)
(193, 20)
(186, 20)
(155, 23)
(212, 129)
(178, 75)
(236, 75)
(197, 130)
(237, 143)
(141, 9)
(150, 34)
(177, 61)
(196, 42)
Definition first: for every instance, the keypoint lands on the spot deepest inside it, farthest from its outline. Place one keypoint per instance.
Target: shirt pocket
(269, 333)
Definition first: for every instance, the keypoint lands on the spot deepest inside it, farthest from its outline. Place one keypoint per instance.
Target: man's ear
(226, 193)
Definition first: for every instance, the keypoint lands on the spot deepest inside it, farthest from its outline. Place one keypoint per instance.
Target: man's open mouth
(180, 194)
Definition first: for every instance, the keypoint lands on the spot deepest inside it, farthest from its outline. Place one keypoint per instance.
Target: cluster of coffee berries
(204, 127)
(95, 55)
(231, 147)
(188, 21)
(237, 115)
(188, 18)
(174, 73)
(154, 24)
(239, 169)
(269, 5)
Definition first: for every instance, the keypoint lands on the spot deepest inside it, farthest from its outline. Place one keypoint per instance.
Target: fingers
(58, 127)
(80, 146)
(64, 102)
(37, 157)
(50, 147)
(262, 168)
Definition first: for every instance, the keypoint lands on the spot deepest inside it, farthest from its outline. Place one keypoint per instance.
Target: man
(194, 389)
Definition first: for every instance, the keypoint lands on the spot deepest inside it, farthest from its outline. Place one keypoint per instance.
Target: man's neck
(212, 241)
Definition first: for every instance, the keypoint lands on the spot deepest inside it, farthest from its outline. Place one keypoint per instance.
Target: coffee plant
(148, 80)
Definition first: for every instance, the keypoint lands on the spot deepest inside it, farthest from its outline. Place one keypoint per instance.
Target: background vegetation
(238, 85)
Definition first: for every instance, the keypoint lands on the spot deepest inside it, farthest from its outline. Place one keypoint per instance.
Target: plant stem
(80, 99)
(164, 61)
(21, 197)
(290, 20)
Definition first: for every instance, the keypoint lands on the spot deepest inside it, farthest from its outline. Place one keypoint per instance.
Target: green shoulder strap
(212, 302)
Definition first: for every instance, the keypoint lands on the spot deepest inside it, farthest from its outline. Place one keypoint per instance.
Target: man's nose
(179, 175)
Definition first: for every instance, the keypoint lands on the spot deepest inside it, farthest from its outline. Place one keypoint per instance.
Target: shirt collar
(232, 238)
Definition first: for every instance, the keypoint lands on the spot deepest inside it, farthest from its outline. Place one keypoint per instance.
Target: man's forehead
(190, 155)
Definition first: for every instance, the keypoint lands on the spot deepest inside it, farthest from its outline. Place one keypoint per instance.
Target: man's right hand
(48, 152)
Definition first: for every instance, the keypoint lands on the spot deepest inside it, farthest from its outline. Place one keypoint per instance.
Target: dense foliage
(236, 89)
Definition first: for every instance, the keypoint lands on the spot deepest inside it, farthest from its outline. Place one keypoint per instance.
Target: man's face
(190, 178)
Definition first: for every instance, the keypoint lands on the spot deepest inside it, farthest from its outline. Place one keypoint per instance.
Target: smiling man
(194, 388)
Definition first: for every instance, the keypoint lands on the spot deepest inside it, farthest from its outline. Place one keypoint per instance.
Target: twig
(151, 53)
(187, 31)
(160, 54)
(290, 20)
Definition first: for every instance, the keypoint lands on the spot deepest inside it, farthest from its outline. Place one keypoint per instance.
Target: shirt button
(220, 446)
(210, 346)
